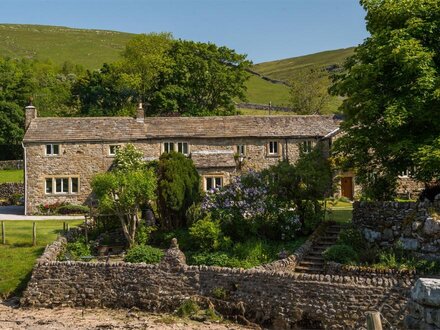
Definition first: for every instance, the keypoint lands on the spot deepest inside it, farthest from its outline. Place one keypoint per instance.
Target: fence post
(34, 233)
(64, 227)
(373, 321)
(3, 233)
(85, 229)
(67, 227)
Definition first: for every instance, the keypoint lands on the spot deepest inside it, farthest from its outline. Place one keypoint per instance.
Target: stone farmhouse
(61, 155)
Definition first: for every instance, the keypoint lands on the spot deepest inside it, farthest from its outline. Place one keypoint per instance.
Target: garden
(257, 218)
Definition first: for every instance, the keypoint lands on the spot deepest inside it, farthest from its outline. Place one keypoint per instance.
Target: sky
(264, 29)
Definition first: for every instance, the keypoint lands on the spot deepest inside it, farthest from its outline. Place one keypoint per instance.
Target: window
(307, 146)
(406, 173)
(213, 182)
(241, 149)
(52, 149)
(182, 147)
(273, 148)
(62, 185)
(168, 146)
(112, 149)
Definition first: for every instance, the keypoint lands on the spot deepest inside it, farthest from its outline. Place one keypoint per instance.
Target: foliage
(206, 234)
(220, 293)
(351, 236)
(11, 123)
(76, 250)
(308, 91)
(341, 253)
(123, 193)
(391, 90)
(143, 233)
(72, 209)
(188, 308)
(144, 253)
(178, 188)
(128, 158)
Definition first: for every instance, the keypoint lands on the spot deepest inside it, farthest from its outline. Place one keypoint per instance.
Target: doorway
(347, 187)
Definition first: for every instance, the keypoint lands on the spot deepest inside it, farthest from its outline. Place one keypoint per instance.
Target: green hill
(91, 48)
(285, 69)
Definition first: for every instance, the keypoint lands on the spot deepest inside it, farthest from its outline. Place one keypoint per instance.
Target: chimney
(30, 113)
(140, 115)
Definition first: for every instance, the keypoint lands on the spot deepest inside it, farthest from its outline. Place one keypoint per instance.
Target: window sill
(273, 156)
(61, 194)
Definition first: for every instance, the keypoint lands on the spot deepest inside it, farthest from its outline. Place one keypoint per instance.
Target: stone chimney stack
(30, 113)
(140, 114)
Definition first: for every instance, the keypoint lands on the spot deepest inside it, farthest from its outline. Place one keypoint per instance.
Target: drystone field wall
(424, 306)
(271, 298)
(415, 225)
(9, 189)
(11, 164)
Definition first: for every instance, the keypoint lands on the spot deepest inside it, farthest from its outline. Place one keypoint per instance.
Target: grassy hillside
(90, 48)
(285, 69)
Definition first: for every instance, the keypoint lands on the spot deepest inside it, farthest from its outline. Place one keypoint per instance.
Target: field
(18, 256)
(262, 91)
(11, 176)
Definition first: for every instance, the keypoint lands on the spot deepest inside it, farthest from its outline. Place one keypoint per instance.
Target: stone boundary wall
(11, 164)
(9, 189)
(271, 298)
(265, 107)
(424, 306)
(415, 225)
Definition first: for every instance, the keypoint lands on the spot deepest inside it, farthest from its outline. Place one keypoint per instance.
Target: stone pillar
(140, 114)
(174, 259)
(30, 113)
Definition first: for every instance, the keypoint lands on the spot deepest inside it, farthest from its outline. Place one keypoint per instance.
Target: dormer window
(181, 147)
(52, 149)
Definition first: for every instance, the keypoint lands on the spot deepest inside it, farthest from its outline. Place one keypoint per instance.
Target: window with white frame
(406, 173)
(213, 182)
(307, 146)
(182, 147)
(112, 149)
(52, 149)
(61, 185)
(241, 149)
(273, 148)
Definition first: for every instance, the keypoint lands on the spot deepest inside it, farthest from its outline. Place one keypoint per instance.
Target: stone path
(94, 319)
(313, 262)
(16, 213)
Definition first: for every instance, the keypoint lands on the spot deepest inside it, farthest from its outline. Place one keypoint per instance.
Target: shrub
(221, 259)
(188, 308)
(352, 237)
(206, 234)
(219, 293)
(144, 253)
(343, 254)
(143, 233)
(78, 249)
(72, 209)
(15, 199)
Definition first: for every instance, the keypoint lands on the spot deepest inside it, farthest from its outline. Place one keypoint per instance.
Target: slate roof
(71, 129)
(215, 159)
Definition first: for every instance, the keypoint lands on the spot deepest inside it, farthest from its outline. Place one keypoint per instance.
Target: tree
(178, 188)
(391, 87)
(11, 123)
(309, 91)
(124, 189)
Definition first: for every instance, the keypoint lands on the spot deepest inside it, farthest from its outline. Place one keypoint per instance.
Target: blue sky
(264, 29)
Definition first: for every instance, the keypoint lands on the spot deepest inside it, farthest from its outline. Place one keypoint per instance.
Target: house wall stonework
(86, 159)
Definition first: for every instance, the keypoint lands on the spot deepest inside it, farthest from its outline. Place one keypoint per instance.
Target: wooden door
(347, 187)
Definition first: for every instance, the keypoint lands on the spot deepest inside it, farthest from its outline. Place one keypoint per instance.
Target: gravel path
(102, 319)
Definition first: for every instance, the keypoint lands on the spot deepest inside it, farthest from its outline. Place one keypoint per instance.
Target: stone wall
(9, 189)
(11, 164)
(264, 107)
(271, 298)
(424, 306)
(416, 225)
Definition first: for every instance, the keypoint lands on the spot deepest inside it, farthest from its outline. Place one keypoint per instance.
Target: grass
(18, 256)
(262, 92)
(11, 176)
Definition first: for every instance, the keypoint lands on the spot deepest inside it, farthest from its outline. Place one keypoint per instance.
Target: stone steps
(314, 262)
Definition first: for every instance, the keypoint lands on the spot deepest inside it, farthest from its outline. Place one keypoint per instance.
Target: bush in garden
(206, 234)
(343, 254)
(143, 233)
(78, 249)
(178, 188)
(72, 209)
(352, 237)
(144, 253)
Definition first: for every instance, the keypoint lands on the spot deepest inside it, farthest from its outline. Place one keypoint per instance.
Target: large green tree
(391, 87)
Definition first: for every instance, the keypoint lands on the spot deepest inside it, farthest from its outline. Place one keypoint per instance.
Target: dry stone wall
(9, 189)
(279, 299)
(11, 164)
(415, 225)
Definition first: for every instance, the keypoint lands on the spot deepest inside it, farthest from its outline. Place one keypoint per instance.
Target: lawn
(11, 176)
(18, 256)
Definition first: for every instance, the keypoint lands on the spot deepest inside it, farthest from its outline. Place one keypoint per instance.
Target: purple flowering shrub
(245, 209)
